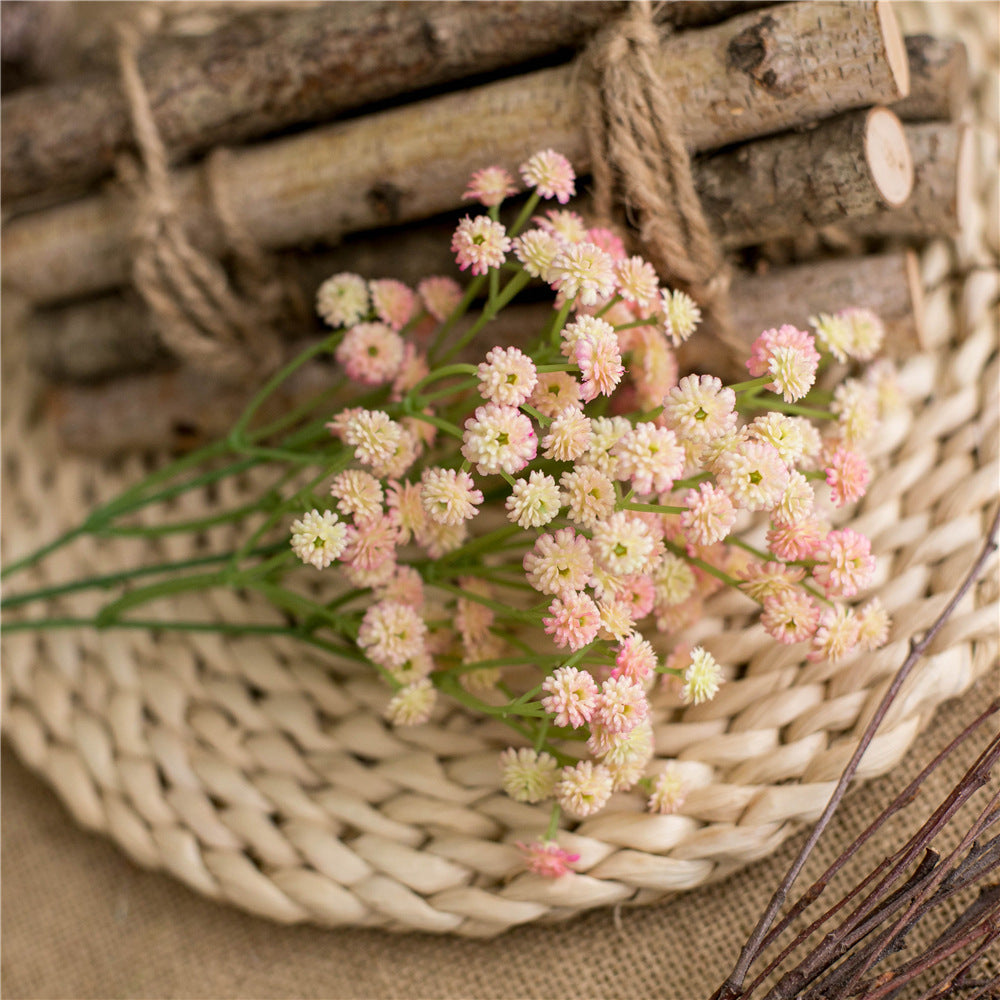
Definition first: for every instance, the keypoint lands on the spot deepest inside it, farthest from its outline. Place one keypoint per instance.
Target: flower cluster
(568, 505)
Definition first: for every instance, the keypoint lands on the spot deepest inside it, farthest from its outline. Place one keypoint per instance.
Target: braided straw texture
(258, 773)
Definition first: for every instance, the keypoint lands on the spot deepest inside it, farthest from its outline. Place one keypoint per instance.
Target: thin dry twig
(732, 988)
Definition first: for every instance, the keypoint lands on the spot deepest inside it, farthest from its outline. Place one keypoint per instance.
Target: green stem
(515, 285)
(113, 579)
(165, 588)
(783, 407)
(649, 508)
(525, 214)
(701, 564)
(237, 434)
(473, 289)
(752, 384)
(553, 827)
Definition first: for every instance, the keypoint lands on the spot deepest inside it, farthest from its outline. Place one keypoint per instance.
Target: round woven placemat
(257, 773)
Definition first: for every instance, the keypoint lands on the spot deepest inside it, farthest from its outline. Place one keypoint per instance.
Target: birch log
(183, 408)
(265, 69)
(772, 187)
(943, 187)
(939, 79)
(760, 73)
(852, 166)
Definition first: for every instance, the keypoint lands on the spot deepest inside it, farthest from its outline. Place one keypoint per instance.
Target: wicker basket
(252, 773)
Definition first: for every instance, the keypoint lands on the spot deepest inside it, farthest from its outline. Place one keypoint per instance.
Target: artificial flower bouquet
(531, 533)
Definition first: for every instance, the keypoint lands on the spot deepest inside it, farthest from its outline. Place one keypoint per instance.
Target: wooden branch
(191, 408)
(943, 187)
(756, 74)
(114, 335)
(266, 69)
(854, 165)
(732, 988)
(939, 79)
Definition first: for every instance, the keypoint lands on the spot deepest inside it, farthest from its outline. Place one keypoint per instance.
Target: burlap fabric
(80, 920)
(71, 898)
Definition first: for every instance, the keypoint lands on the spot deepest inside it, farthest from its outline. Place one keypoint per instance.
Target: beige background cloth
(80, 920)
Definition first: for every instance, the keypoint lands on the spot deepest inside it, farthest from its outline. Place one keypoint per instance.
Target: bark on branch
(191, 407)
(760, 73)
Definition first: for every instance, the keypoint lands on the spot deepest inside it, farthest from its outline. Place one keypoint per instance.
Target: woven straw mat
(255, 774)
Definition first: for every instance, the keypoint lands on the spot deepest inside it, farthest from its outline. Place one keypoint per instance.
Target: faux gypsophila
(528, 533)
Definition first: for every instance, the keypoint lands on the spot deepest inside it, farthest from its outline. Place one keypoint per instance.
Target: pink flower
(795, 540)
(480, 244)
(790, 617)
(391, 633)
(710, 514)
(584, 789)
(583, 271)
(358, 493)
(547, 858)
(395, 304)
(609, 241)
(499, 438)
(636, 658)
(847, 474)
(638, 591)
(566, 226)
(837, 635)
(570, 696)
(762, 580)
(753, 475)
(490, 186)
(669, 790)
(568, 437)
(371, 353)
(621, 705)
(343, 299)
(507, 376)
(699, 408)
(649, 458)
(440, 296)
(536, 249)
(681, 315)
(789, 355)
(573, 620)
(590, 494)
(637, 281)
(372, 544)
(601, 367)
(551, 174)
(554, 392)
(844, 564)
(559, 563)
(449, 496)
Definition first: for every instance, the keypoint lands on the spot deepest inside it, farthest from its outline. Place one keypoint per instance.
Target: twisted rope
(201, 317)
(640, 161)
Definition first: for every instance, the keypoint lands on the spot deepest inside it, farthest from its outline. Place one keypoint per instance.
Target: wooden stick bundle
(759, 73)
(191, 408)
(267, 69)
(849, 166)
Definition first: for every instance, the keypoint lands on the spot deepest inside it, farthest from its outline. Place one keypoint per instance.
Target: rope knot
(204, 318)
(640, 162)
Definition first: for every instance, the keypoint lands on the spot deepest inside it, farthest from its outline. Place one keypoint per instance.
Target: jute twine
(204, 318)
(641, 165)
(262, 774)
